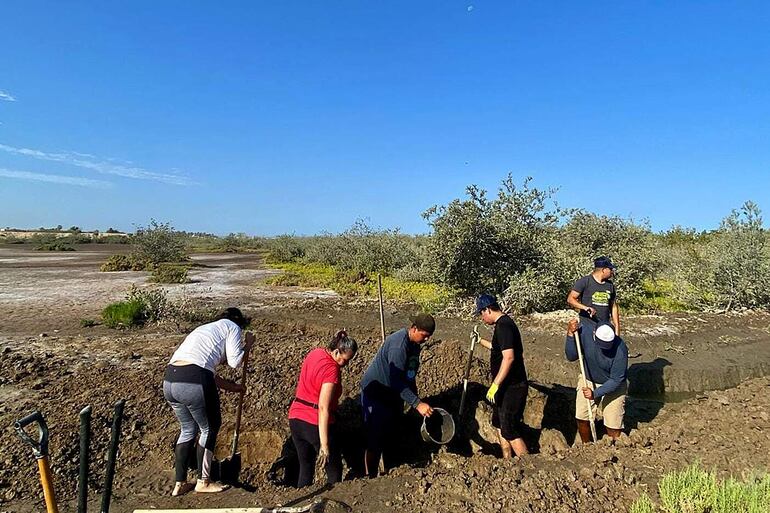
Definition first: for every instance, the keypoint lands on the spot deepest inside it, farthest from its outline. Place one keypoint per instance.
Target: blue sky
(281, 117)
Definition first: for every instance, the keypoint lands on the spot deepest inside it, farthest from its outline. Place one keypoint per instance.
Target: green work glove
(492, 392)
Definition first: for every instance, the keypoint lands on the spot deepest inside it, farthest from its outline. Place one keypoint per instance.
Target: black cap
(424, 322)
(603, 262)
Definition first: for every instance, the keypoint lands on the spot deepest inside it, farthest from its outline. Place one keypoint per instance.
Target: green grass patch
(124, 314)
(427, 296)
(695, 490)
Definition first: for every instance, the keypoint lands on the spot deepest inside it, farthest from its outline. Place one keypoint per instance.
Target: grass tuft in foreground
(694, 490)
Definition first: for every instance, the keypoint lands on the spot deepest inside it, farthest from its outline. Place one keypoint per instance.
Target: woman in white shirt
(191, 387)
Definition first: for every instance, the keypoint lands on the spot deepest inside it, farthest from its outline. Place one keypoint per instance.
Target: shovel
(585, 381)
(40, 450)
(230, 467)
(474, 340)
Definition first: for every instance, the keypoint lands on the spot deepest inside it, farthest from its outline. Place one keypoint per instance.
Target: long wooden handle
(382, 307)
(585, 382)
(47, 481)
(240, 404)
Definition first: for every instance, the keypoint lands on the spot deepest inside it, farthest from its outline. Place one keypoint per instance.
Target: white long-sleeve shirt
(211, 344)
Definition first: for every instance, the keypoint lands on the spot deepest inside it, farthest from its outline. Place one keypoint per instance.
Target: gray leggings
(193, 395)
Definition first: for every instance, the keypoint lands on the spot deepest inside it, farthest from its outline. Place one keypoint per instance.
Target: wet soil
(49, 362)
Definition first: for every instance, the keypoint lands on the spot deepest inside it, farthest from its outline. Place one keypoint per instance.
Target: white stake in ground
(585, 382)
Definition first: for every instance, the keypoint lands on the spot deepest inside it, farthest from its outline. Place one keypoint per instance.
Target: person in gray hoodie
(388, 383)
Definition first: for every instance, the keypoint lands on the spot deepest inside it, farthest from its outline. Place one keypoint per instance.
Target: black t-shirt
(599, 296)
(507, 336)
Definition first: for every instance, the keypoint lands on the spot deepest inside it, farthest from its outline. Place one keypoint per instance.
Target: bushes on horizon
(362, 248)
(285, 249)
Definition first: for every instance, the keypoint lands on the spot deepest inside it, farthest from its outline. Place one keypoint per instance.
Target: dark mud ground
(691, 358)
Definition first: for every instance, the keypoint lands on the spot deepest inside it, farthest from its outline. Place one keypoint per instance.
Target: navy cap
(484, 301)
(603, 262)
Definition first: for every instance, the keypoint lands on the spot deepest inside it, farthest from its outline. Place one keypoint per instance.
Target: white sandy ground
(28, 277)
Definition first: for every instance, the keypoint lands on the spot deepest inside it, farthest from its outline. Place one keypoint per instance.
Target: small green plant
(643, 505)
(87, 323)
(156, 305)
(169, 273)
(124, 314)
(695, 490)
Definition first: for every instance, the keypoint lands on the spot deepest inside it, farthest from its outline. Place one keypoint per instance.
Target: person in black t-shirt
(508, 392)
(594, 296)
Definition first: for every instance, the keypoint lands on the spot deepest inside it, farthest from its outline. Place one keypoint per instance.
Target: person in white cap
(606, 360)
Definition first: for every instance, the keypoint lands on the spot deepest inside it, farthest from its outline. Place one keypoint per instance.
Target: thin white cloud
(65, 180)
(7, 97)
(106, 167)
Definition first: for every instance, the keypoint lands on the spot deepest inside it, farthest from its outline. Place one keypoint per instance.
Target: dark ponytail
(343, 343)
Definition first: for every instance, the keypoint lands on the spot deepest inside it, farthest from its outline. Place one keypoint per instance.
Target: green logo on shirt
(601, 298)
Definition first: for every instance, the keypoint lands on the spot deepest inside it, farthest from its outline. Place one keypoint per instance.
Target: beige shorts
(611, 407)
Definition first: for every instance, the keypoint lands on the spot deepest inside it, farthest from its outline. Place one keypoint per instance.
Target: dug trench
(727, 430)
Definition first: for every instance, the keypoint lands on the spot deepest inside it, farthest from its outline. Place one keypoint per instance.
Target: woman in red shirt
(311, 414)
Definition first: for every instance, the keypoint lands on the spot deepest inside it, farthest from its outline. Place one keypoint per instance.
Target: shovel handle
(39, 447)
(238, 416)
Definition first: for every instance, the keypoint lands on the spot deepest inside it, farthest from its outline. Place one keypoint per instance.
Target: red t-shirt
(318, 368)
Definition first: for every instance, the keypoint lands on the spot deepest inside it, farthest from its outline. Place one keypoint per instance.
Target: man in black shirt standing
(508, 392)
(594, 296)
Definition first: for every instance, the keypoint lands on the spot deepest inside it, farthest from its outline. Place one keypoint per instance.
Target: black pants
(307, 441)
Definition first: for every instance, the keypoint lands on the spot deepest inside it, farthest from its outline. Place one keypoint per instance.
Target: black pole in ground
(117, 419)
(85, 440)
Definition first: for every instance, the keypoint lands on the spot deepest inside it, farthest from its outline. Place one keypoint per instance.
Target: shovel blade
(230, 469)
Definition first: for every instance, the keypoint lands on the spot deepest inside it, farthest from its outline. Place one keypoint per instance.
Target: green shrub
(741, 261)
(87, 323)
(112, 239)
(12, 239)
(124, 314)
(285, 249)
(237, 242)
(122, 263)
(155, 303)
(169, 273)
(479, 244)
(159, 242)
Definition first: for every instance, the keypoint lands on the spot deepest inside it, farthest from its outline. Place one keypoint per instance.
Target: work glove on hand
(492, 392)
